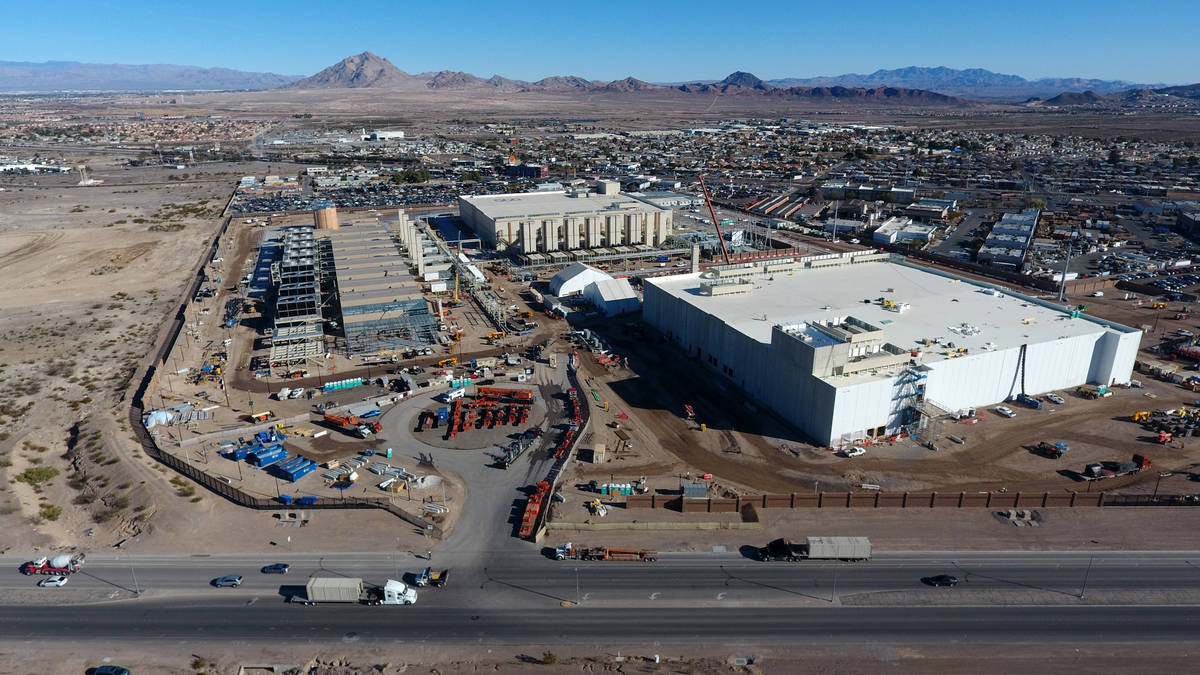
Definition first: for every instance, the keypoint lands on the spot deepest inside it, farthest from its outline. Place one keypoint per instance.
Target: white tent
(574, 279)
(612, 296)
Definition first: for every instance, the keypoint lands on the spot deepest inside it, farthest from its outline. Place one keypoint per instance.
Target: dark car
(230, 580)
(110, 670)
(941, 580)
(277, 568)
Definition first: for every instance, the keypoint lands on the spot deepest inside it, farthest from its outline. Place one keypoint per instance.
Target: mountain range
(916, 85)
(75, 76)
(371, 70)
(969, 83)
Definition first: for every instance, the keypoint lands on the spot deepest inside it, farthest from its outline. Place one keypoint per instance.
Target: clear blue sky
(658, 40)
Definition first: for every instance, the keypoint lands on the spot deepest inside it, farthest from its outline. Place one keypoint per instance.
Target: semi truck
(569, 551)
(817, 548)
(61, 564)
(340, 589)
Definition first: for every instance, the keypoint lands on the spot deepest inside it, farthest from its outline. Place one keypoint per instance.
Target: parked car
(1055, 398)
(856, 451)
(1005, 410)
(56, 580)
(229, 580)
(111, 670)
(941, 580)
(277, 568)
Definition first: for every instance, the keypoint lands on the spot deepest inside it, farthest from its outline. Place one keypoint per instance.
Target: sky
(1151, 41)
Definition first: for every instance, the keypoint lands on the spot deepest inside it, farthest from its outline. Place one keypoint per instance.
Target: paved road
(763, 625)
(530, 580)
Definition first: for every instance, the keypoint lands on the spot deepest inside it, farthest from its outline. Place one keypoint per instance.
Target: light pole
(578, 595)
(1086, 573)
(137, 590)
(1162, 475)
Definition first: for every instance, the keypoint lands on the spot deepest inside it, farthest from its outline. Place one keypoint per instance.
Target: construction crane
(713, 213)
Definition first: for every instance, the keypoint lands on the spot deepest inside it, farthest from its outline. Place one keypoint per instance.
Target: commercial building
(863, 344)
(898, 230)
(565, 220)
(1008, 242)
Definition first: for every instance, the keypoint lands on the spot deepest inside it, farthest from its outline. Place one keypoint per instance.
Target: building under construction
(862, 344)
(299, 277)
(381, 306)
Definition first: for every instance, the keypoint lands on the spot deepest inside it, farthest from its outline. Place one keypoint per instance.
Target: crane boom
(707, 200)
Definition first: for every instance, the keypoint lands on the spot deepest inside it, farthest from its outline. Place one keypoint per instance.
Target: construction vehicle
(61, 564)
(353, 425)
(1029, 401)
(1165, 437)
(496, 335)
(1104, 470)
(1051, 450)
(817, 548)
(569, 551)
(1141, 416)
(340, 589)
(447, 362)
(1158, 305)
(1093, 391)
(431, 578)
(597, 509)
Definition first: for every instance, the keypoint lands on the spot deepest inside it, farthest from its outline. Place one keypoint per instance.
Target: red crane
(724, 251)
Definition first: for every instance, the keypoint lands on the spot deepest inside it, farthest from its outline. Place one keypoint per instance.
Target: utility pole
(578, 595)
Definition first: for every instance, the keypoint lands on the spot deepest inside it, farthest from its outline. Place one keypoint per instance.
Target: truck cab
(395, 593)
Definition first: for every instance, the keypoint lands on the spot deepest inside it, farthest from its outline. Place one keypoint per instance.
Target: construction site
(370, 346)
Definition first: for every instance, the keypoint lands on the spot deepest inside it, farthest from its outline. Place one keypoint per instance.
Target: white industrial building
(566, 220)
(863, 344)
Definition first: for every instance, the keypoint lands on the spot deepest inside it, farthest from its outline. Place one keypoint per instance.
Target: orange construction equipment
(533, 509)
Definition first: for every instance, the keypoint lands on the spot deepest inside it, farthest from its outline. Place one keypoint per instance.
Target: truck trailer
(339, 589)
(817, 548)
(569, 551)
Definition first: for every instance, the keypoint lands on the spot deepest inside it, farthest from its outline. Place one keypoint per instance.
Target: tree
(1114, 156)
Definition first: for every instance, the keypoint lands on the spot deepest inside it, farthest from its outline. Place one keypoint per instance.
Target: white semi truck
(339, 589)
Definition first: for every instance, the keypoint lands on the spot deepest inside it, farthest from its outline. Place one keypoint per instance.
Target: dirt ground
(359, 659)
(99, 270)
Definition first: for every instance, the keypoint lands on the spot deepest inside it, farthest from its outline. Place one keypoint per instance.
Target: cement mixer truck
(64, 563)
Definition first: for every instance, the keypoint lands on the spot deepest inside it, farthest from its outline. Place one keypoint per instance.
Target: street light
(1164, 474)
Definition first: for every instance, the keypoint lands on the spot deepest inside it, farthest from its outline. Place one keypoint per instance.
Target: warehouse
(864, 344)
(565, 220)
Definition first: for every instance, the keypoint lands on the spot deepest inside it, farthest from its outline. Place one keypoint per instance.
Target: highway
(683, 597)
(741, 625)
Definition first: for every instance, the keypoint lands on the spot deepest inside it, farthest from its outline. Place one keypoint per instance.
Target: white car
(56, 580)
(856, 451)
(1055, 398)
(296, 393)
(1005, 410)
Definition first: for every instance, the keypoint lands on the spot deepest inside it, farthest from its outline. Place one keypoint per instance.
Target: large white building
(566, 220)
(863, 344)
